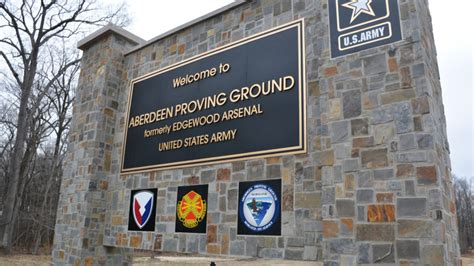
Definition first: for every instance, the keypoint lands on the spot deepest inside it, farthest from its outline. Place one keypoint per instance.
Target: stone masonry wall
(374, 187)
(80, 224)
(301, 178)
(390, 197)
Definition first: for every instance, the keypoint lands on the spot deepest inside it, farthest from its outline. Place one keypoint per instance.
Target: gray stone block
(407, 142)
(410, 188)
(433, 255)
(402, 116)
(274, 171)
(375, 64)
(383, 174)
(418, 70)
(415, 228)
(365, 179)
(425, 141)
(351, 103)
(337, 174)
(232, 200)
(411, 207)
(212, 201)
(192, 245)
(208, 176)
(271, 253)
(381, 116)
(365, 196)
(435, 199)
(360, 127)
(350, 165)
(361, 214)
(294, 254)
(237, 247)
(345, 208)
(412, 157)
(312, 226)
(408, 249)
(339, 131)
(170, 245)
(310, 253)
(328, 195)
(255, 169)
(383, 253)
(341, 246)
(327, 175)
(363, 253)
(375, 232)
(295, 242)
(308, 173)
(251, 246)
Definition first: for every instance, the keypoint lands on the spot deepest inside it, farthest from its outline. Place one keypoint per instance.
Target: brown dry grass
(25, 260)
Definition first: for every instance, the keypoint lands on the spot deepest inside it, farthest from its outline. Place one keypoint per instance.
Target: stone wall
(374, 187)
(80, 222)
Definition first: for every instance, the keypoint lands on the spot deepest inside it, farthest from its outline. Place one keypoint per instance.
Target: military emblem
(142, 205)
(358, 7)
(142, 210)
(356, 25)
(259, 207)
(191, 209)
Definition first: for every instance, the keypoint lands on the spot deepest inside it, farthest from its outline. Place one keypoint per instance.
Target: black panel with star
(356, 25)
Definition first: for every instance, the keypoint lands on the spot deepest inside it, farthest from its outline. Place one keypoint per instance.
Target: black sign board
(259, 208)
(142, 212)
(191, 209)
(357, 25)
(239, 101)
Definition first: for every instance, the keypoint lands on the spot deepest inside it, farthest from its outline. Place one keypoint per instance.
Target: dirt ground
(31, 260)
(468, 259)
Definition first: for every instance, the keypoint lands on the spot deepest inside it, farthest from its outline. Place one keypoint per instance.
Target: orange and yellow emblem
(191, 209)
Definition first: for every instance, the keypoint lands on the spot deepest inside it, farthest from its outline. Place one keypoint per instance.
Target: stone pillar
(388, 198)
(81, 213)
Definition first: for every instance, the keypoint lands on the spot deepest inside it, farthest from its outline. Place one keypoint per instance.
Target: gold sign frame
(301, 148)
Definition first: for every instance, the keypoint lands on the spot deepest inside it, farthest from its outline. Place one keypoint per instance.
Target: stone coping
(110, 28)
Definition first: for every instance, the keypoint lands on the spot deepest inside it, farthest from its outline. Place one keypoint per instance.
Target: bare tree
(61, 98)
(28, 28)
(464, 198)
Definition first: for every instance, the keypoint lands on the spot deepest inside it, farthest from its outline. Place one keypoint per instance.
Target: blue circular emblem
(259, 207)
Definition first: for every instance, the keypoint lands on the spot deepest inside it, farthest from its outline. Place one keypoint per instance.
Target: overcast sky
(452, 22)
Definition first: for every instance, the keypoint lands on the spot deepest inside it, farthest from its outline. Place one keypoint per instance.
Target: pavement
(218, 261)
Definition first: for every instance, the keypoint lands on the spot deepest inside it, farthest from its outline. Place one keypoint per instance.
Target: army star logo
(358, 7)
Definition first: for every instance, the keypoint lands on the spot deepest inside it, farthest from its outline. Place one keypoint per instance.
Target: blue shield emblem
(142, 207)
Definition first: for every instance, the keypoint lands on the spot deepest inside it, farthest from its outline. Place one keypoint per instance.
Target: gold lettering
(151, 117)
(290, 86)
(242, 112)
(223, 136)
(170, 145)
(145, 120)
(132, 123)
(196, 140)
(190, 78)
